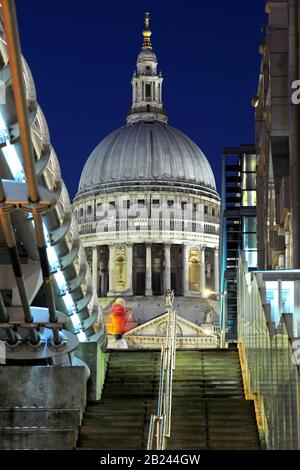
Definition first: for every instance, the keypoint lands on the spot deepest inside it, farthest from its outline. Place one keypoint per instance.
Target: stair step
(31, 438)
(209, 410)
(46, 417)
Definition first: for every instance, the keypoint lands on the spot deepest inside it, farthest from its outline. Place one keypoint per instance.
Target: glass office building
(239, 228)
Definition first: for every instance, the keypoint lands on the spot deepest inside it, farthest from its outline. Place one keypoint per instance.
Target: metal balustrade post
(11, 338)
(151, 432)
(3, 312)
(16, 265)
(47, 278)
(161, 381)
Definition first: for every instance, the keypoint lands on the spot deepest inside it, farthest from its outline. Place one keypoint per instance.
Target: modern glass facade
(239, 229)
(268, 330)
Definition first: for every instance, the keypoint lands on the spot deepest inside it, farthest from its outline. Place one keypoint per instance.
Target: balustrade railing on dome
(160, 423)
(131, 224)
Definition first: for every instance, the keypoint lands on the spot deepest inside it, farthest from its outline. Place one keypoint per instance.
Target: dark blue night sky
(83, 53)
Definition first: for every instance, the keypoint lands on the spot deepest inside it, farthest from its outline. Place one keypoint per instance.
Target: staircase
(209, 410)
(209, 407)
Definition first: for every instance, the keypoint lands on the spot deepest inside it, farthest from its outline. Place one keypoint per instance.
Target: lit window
(13, 162)
(249, 198)
(272, 298)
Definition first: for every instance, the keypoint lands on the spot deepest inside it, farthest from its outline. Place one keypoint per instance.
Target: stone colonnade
(114, 274)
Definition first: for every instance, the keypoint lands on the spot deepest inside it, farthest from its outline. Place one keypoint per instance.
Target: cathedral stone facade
(147, 204)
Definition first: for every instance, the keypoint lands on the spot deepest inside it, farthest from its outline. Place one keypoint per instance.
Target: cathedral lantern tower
(147, 84)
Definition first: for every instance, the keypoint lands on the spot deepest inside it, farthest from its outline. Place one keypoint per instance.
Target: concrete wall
(41, 407)
(92, 354)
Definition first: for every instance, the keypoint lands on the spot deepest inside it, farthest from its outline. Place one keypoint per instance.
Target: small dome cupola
(147, 84)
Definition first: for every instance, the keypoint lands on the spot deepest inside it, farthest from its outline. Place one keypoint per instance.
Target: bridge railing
(160, 423)
(269, 346)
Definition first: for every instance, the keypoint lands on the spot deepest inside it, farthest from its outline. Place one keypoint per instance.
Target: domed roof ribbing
(146, 152)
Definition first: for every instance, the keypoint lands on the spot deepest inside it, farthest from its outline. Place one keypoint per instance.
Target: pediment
(156, 327)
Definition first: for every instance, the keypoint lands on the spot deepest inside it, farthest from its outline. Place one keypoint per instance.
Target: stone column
(105, 281)
(102, 286)
(185, 271)
(129, 268)
(148, 286)
(287, 250)
(202, 270)
(216, 270)
(95, 268)
(103, 274)
(167, 266)
(111, 271)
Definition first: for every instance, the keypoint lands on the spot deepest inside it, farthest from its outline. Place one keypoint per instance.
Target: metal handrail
(161, 421)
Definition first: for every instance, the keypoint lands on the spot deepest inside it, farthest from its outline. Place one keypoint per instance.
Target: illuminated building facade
(238, 228)
(147, 205)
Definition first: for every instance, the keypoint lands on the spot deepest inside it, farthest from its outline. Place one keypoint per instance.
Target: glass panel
(249, 240)
(249, 198)
(251, 258)
(249, 181)
(249, 163)
(270, 363)
(287, 296)
(272, 298)
(249, 224)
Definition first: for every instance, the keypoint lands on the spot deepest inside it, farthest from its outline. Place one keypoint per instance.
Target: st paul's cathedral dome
(147, 205)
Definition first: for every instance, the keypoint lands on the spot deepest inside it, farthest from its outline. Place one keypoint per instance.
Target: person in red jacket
(119, 318)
